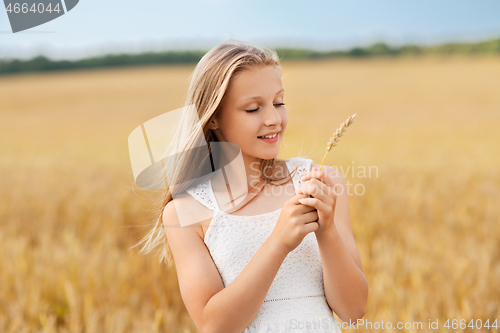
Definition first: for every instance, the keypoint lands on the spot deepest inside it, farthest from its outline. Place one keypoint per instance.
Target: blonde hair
(209, 82)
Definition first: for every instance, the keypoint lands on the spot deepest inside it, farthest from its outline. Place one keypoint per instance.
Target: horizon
(143, 52)
(202, 24)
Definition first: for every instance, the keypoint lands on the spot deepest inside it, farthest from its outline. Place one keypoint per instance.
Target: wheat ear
(336, 137)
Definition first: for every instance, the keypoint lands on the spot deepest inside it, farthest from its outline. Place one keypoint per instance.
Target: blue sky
(101, 26)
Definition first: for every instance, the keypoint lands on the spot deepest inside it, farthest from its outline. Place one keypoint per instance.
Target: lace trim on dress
(303, 166)
(204, 194)
(287, 298)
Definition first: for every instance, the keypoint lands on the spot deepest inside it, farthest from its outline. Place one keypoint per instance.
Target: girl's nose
(272, 117)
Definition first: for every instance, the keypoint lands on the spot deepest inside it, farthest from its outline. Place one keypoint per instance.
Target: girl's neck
(252, 170)
(240, 177)
(234, 167)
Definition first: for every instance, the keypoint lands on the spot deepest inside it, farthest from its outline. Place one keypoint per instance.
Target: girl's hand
(320, 194)
(295, 222)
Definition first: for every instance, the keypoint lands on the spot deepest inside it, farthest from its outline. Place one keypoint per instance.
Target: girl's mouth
(269, 139)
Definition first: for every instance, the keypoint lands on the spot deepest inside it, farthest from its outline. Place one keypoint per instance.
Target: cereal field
(426, 217)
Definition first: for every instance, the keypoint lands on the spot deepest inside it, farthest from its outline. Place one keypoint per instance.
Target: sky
(115, 26)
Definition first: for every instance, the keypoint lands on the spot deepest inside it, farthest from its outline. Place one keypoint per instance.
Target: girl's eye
(250, 111)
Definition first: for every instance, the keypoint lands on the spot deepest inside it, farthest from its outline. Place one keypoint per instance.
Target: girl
(283, 257)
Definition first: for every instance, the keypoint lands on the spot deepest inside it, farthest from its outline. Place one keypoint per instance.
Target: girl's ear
(213, 125)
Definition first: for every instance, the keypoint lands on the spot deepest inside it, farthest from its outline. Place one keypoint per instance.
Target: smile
(268, 136)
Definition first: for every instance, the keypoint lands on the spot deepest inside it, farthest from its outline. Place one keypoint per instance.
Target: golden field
(426, 221)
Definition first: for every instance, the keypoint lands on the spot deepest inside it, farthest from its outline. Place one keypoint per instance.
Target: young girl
(281, 258)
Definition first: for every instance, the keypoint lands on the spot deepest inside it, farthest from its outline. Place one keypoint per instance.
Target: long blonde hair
(209, 82)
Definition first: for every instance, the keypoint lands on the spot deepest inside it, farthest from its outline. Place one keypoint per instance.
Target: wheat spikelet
(336, 137)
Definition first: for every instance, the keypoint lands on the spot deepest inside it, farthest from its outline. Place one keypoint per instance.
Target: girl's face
(252, 107)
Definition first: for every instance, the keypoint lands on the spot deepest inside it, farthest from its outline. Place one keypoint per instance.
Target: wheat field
(422, 160)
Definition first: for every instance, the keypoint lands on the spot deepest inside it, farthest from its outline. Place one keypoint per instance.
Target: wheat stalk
(336, 137)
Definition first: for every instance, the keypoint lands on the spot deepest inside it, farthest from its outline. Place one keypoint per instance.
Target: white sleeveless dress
(296, 300)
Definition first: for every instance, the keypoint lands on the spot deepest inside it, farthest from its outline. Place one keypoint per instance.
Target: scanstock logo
(26, 14)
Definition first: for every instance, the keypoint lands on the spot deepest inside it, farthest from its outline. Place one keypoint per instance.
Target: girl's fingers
(316, 203)
(320, 175)
(311, 226)
(318, 187)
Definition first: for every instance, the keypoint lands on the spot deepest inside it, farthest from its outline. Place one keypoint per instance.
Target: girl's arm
(346, 287)
(213, 307)
(233, 308)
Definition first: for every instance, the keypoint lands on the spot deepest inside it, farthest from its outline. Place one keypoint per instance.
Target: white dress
(296, 300)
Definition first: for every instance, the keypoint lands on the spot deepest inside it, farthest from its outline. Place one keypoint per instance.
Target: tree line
(42, 63)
